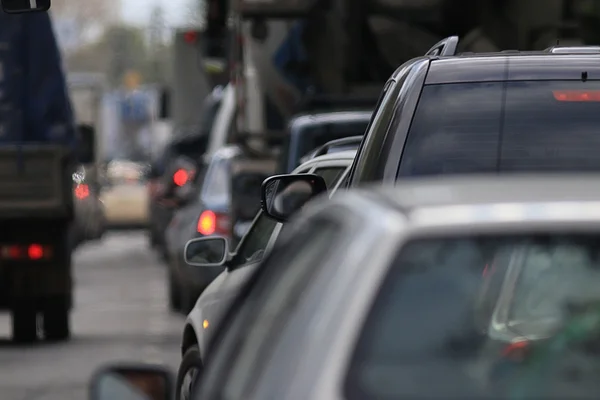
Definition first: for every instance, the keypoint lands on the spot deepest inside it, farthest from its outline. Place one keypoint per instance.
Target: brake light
(211, 223)
(576, 95)
(32, 252)
(82, 191)
(35, 252)
(516, 351)
(180, 177)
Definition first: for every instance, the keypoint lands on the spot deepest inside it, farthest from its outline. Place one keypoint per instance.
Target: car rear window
(309, 137)
(450, 311)
(490, 127)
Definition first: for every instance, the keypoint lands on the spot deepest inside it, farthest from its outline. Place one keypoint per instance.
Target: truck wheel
(56, 320)
(24, 324)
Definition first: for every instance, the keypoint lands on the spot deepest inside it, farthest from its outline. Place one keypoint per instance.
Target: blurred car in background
(307, 132)
(90, 218)
(239, 266)
(225, 203)
(124, 194)
(166, 173)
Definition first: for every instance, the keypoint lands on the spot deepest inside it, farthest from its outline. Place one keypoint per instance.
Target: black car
(506, 112)
(166, 173)
(308, 131)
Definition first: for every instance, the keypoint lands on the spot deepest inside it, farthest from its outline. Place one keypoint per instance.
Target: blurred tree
(120, 49)
(89, 15)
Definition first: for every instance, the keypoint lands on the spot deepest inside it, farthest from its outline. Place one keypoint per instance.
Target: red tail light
(516, 351)
(577, 95)
(180, 177)
(212, 223)
(25, 252)
(82, 191)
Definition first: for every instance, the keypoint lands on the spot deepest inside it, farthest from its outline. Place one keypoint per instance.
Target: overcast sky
(138, 11)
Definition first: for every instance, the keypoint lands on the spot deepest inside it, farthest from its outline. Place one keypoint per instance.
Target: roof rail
(445, 47)
(327, 147)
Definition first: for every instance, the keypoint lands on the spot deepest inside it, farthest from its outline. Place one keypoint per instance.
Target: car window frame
(238, 261)
(363, 167)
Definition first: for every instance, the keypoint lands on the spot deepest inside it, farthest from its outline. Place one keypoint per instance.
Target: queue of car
(464, 262)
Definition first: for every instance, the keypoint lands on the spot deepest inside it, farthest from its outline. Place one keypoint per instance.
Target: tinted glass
(503, 127)
(330, 175)
(215, 188)
(446, 319)
(309, 137)
(256, 240)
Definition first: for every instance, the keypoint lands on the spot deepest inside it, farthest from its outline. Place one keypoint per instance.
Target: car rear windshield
(452, 314)
(309, 137)
(526, 126)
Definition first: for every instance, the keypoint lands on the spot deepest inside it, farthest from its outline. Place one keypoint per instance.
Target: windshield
(450, 307)
(217, 181)
(504, 127)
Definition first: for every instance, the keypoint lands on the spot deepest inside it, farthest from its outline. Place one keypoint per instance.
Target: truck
(39, 150)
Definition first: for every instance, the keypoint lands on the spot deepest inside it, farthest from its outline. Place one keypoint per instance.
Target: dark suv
(447, 113)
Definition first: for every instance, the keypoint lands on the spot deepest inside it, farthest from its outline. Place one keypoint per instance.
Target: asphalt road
(120, 315)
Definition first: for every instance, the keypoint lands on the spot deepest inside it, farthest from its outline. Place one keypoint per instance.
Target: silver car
(426, 290)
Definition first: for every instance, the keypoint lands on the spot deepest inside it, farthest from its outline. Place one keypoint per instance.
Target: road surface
(120, 314)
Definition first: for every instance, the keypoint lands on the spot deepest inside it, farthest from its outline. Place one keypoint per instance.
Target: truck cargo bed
(35, 181)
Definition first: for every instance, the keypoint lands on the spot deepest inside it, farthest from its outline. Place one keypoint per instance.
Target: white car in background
(124, 194)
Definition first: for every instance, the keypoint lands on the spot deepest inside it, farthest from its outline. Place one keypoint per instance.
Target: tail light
(213, 223)
(32, 252)
(516, 351)
(81, 191)
(180, 177)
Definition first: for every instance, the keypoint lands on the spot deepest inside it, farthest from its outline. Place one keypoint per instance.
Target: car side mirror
(87, 144)
(209, 251)
(132, 382)
(283, 195)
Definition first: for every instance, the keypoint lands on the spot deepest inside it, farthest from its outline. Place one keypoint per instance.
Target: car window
(215, 188)
(439, 328)
(368, 154)
(252, 248)
(315, 135)
(266, 300)
(330, 175)
(532, 126)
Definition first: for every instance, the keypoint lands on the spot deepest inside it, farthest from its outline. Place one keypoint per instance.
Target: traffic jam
(434, 245)
(431, 230)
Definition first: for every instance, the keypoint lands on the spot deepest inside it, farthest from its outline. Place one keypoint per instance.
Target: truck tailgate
(34, 181)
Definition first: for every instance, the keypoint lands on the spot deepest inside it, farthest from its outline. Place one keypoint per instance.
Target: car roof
(480, 190)
(513, 66)
(329, 117)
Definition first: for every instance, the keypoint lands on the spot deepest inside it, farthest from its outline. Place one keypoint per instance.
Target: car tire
(174, 294)
(24, 324)
(189, 371)
(57, 326)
